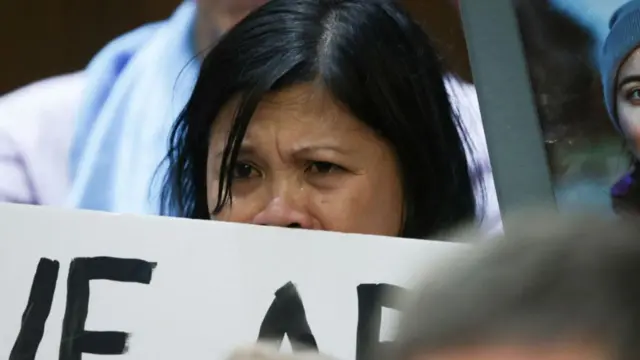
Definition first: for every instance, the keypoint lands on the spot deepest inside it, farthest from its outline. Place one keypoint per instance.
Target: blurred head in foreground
(267, 351)
(553, 288)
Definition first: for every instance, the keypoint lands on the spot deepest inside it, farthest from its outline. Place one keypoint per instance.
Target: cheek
(212, 194)
(362, 205)
(243, 209)
(628, 115)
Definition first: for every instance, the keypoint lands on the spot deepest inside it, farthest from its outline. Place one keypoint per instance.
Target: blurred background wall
(42, 38)
(442, 21)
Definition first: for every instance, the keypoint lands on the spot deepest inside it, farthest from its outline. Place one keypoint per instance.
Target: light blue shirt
(137, 86)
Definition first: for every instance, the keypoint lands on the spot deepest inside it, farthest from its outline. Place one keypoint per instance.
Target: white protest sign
(209, 285)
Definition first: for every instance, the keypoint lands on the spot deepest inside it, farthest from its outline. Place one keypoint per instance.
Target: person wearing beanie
(620, 70)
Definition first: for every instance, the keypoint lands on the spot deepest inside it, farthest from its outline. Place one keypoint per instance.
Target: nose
(280, 212)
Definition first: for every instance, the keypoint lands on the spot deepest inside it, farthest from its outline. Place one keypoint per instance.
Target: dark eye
(634, 94)
(244, 171)
(323, 167)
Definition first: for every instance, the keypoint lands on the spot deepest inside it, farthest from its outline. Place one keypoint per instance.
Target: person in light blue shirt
(135, 88)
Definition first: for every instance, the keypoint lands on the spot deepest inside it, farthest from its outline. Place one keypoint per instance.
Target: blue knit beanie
(623, 38)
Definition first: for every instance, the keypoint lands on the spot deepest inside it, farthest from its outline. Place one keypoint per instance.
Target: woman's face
(628, 100)
(306, 162)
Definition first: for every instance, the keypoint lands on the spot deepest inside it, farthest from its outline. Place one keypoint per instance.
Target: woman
(620, 70)
(322, 114)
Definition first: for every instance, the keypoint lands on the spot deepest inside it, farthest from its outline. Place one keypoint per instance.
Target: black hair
(373, 59)
(551, 279)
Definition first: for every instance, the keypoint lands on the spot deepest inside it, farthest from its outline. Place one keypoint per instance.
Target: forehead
(304, 107)
(631, 65)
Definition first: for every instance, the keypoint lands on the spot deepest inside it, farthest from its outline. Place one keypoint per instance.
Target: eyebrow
(628, 79)
(247, 149)
(312, 148)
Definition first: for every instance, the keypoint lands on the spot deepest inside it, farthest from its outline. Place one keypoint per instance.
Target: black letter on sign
(371, 299)
(37, 311)
(75, 340)
(286, 315)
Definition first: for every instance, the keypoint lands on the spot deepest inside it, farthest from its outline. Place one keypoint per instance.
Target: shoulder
(50, 90)
(43, 112)
(36, 124)
(42, 102)
(464, 103)
(625, 193)
(116, 54)
(463, 96)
